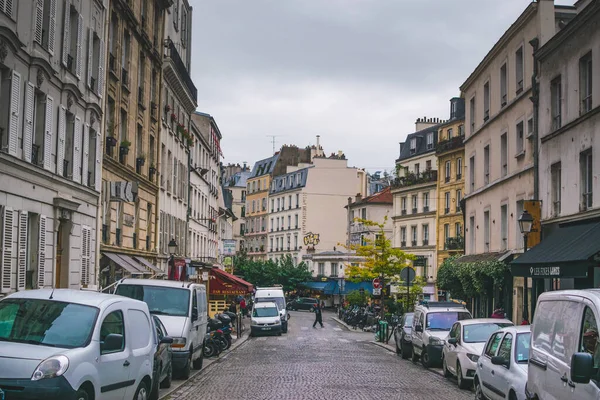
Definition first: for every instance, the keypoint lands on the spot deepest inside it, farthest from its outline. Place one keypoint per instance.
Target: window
(413, 235)
(447, 174)
(289, 222)
(403, 235)
(450, 134)
(403, 205)
(519, 237)
(112, 324)
(505, 347)
(589, 335)
(503, 81)
(253, 206)
(425, 234)
(272, 205)
(447, 203)
(290, 202)
(428, 165)
(504, 227)
(473, 247)
(492, 345)
(125, 58)
(519, 70)
(430, 141)
(278, 204)
(520, 143)
(363, 213)
(184, 27)
(555, 102)
(472, 173)
(587, 178)
(72, 41)
(414, 203)
(504, 154)
(459, 168)
(457, 229)
(486, 101)
(321, 268)
(458, 197)
(296, 221)
(334, 269)
(461, 130)
(555, 177)
(176, 15)
(297, 200)
(486, 165)
(296, 242)
(425, 201)
(486, 230)
(413, 145)
(585, 83)
(417, 168)
(472, 115)
(446, 232)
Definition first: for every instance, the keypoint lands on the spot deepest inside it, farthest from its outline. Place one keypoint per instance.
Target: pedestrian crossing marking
(304, 328)
(343, 340)
(262, 339)
(337, 329)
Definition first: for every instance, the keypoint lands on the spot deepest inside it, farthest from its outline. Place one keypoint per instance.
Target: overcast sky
(357, 72)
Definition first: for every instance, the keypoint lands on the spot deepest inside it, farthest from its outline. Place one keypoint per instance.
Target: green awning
(566, 252)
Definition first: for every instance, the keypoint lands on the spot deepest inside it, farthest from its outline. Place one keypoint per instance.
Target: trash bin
(381, 334)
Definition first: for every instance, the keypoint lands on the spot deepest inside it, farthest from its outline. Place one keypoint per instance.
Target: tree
(356, 298)
(414, 292)
(290, 274)
(284, 272)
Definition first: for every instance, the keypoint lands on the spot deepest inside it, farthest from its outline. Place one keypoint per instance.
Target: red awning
(224, 283)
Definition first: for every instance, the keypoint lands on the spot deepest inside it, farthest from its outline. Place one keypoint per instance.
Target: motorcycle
(211, 347)
(216, 326)
(227, 328)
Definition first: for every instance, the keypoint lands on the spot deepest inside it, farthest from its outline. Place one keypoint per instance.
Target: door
(113, 365)
(501, 374)
(140, 342)
(417, 337)
(452, 349)
(486, 367)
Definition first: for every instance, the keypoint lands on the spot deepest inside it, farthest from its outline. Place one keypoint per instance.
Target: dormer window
(430, 141)
(413, 145)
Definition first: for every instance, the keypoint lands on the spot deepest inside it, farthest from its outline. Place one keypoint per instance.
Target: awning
(318, 286)
(567, 252)
(149, 265)
(134, 263)
(354, 286)
(481, 257)
(224, 283)
(117, 259)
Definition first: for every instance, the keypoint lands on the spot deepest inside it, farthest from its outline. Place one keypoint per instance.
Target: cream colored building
(373, 208)
(236, 184)
(499, 123)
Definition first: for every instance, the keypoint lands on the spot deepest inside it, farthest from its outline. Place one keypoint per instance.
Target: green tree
(290, 274)
(284, 272)
(356, 298)
(415, 291)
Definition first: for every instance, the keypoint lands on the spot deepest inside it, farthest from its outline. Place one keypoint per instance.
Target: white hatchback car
(465, 344)
(502, 368)
(69, 344)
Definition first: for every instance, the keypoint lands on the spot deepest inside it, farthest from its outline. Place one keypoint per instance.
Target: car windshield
(522, 347)
(480, 333)
(443, 321)
(265, 312)
(161, 300)
(408, 320)
(277, 300)
(46, 322)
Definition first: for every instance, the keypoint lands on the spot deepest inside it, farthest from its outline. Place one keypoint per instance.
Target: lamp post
(525, 225)
(172, 250)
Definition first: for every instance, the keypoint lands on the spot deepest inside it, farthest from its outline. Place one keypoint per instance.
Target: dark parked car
(303, 303)
(402, 335)
(163, 358)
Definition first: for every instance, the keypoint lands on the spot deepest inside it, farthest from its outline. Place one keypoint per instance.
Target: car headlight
(473, 357)
(51, 368)
(178, 343)
(434, 341)
(254, 322)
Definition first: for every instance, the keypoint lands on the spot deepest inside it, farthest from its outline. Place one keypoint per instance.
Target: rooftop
(383, 197)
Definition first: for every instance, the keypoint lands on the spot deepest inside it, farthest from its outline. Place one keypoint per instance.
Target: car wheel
(142, 392)
(82, 394)
(154, 391)
(478, 391)
(512, 396)
(200, 360)
(425, 359)
(462, 383)
(447, 373)
(166, 383)
(185, 371)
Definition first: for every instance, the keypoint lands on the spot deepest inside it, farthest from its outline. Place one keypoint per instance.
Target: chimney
(349, 200)
(358, 197)
(318, 140)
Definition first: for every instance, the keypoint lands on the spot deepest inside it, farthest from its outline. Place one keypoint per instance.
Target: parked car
(72, 344)
(402, 335)
(502, 367)
(182, 308)
(265, 319)
(303, 303)
(163, 358)
(565, 356)
(431, 324)
(274, 294)
(465, 344)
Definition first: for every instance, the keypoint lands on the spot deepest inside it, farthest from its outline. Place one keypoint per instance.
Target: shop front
(222, 288)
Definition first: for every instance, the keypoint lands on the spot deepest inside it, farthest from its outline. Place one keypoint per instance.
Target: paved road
(312, 364)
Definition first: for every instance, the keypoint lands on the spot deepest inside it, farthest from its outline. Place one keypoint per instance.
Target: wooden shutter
(48, 133)
(52, 27)
(79, 69)
(7, 243)
(85, 254)
(77, 151)
(15, 100)
(101, 60)
(60, 147)
(22, 251)
(67, 33)
(41, 269)
(28, 125)
(90, 63)
(39, 20)
(86, 155)
(98, 168)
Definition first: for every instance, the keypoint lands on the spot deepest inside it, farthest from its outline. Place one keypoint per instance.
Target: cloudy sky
(357, 72)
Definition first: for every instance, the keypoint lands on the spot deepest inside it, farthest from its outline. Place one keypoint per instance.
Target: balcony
(425, 242)
(411, 179)
(404, 211)
(425, 209)
(413, 243)
(179, 67)
(454, 243)
(450, 144)
(403, 244)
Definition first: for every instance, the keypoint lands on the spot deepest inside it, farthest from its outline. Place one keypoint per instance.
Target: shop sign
(229, 247)
(544, 271)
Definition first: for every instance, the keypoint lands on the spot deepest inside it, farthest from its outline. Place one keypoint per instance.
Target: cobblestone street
(322, 363)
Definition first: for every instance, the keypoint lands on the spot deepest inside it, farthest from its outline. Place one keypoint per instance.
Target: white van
(565, 355)
(265, 318)
(274, 294)
(182, 308)
(72, 344)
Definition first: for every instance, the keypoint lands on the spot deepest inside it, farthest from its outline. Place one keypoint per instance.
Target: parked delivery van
(275, 295)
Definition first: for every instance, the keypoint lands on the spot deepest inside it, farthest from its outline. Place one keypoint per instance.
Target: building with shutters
(236, 185)
(130, 186)
(377, 208)
(51, 96)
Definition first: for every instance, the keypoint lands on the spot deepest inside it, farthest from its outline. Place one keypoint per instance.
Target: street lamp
(525, 225)
(172, 247)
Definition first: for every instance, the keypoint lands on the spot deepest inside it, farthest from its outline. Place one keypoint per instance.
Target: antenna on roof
(51, 294)
(273, 140)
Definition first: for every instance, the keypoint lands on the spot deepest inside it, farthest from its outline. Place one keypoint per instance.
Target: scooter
(227, 328)
(211, 347)
(216, 326)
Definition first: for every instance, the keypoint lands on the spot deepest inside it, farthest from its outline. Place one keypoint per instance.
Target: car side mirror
(453, 341)
(497, 360)
(582, 366)
(418, 328)
(166, 340)
(194, 315)
(112, 342)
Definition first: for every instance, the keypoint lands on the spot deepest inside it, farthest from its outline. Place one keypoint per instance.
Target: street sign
(376, 291)
(407, 275)
(376, 283)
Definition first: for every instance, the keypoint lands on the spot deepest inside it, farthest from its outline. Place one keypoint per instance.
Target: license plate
(264, 329)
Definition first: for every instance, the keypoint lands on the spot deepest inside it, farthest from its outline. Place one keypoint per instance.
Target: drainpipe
(535, 98)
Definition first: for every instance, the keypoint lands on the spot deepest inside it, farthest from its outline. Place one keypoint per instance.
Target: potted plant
(167, 109)
(111, 141)
(173, 117)
(140, 160)
(124, 148)
(151, 171)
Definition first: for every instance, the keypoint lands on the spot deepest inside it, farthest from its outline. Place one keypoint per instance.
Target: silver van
(564, 356)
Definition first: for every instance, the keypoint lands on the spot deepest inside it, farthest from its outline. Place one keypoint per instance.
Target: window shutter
(41, 269)
(101, 60)
(98, 179)
(90, 62)
(85, 255)
(67, 33)
(86, 155)
(7, 247)
(52, 27)
(60, 143)
(48, 133)
(28, 126)
(79, 46)
(77, 151)
(15, 100)
(22, 255)
(39, 19)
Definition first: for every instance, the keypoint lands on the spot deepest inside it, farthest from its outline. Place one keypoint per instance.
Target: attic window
(430, 141)
(413, 145)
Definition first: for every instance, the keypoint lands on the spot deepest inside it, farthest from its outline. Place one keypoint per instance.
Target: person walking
(243, 307)
(318, 315)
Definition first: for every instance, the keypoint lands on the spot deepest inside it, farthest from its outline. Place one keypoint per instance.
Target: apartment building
(568, 130)
(51, 119)
(415, 200)
(130, 155)
(178, 102)
(451, 183)
(237, 184)
(376, 208)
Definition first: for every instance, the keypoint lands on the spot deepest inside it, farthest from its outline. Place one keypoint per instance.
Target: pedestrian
(232, 307)
(525, 322)
(243, 306)
(318, 316)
